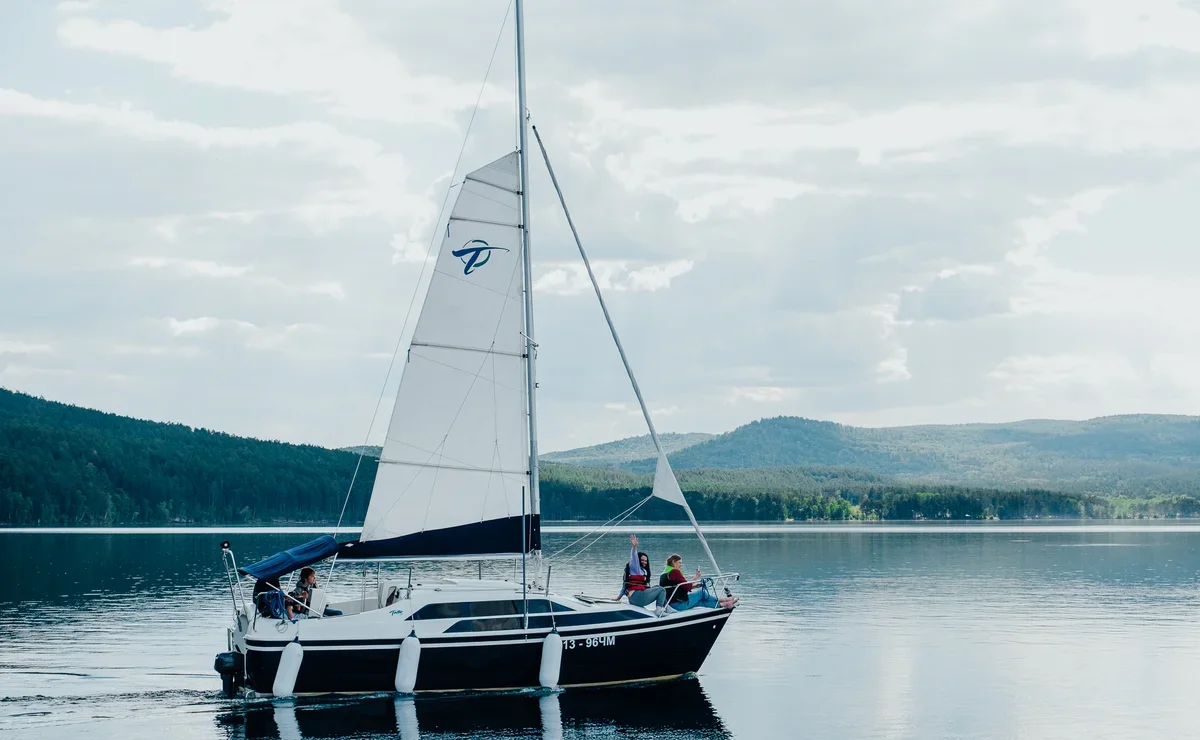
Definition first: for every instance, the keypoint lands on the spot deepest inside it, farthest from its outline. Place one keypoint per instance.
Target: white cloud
(206, 268)
(19, 347)
(406, 250)
(192, 267)
(1119, 28)
(687, 152)
(329, 288)
(179, 327)
(1181, 369)
(1038, 372)
(1036, 232)
(310, 49)
(380, 189)
(247, 333)
(127, 119)
(151, 350)
(967, 217)
(15, 373)
(894, 367)
(75, 6)
(761, 394)
(632, 409)
(700, 197)
(612, 275)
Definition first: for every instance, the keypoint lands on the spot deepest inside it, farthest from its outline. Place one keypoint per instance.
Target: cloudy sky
(878, 213)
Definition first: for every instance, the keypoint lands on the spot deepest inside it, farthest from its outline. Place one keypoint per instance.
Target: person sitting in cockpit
(302, 594)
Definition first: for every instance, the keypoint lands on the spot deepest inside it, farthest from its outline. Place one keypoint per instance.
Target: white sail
(666, 486)
(453, 476)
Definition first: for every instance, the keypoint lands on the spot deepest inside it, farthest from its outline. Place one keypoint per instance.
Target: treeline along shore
(63, 465)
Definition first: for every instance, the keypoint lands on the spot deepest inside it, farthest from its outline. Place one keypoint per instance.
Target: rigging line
(662, 455)
(603, 534)
(611, 524)
(475, 375)
(463, 464)
(500, 203)
(561, 550)
(477, 286)
(432, 240)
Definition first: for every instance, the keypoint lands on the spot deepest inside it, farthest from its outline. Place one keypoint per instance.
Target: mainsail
(453, 477)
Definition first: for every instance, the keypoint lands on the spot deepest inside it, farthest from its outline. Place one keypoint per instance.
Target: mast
(530, 344)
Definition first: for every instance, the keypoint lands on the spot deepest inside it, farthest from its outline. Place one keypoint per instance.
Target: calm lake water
(843, 632)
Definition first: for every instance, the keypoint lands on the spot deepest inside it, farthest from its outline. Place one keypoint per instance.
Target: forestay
(453, 476)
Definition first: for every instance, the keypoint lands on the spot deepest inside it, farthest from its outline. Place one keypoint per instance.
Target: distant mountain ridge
(626, 450)
(1139, 454)
(366, 450)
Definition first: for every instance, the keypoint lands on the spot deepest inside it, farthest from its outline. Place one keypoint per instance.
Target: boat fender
(552, 648)
(289, 668)
(407, 664)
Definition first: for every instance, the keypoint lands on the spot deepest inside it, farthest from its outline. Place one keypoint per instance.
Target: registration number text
(580, 642)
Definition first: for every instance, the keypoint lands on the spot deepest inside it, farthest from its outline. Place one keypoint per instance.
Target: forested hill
(64, 465)
(61, 464)
(1136, 455)
(626, 450)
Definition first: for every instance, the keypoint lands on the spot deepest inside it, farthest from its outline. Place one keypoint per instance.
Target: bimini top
(282, 563)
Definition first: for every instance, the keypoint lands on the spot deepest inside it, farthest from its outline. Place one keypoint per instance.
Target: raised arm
(635, 565)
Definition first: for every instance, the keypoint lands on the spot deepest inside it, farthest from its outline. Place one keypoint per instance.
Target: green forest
(65, 465)
(1139, 456)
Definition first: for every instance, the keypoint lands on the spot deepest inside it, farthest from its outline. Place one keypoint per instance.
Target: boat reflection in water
(674, 709)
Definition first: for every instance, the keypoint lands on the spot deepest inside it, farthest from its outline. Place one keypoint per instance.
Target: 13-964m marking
(604, 641)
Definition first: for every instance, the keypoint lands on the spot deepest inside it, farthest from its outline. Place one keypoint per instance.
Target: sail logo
(475, 254)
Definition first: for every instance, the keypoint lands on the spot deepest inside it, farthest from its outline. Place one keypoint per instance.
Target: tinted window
(462, 609)
(494, 608)
(542, 606)
(566, 620)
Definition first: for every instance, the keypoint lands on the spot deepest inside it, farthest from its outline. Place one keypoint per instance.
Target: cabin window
(566, 620)
(477, 609)
(542, 606)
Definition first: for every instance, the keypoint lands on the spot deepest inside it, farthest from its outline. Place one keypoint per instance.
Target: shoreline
(1045, 525)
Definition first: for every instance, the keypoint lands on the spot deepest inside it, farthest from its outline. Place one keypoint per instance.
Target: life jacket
(675, 591)
(636, 582)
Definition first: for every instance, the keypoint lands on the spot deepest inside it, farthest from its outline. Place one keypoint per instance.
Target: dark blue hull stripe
(477, 637)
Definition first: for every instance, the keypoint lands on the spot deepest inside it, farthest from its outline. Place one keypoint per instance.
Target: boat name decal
(601, 641)
(472, 252)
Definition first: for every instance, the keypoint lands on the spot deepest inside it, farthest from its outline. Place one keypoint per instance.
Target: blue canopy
(282, 563)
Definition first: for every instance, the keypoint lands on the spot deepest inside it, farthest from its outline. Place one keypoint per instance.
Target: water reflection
(676, 709)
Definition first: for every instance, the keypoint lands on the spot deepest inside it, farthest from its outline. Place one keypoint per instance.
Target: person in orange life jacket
(637, 582)
(682, 593)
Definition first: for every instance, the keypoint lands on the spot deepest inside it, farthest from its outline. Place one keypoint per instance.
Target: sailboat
(458, 479)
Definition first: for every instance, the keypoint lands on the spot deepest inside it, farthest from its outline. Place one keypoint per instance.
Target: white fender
(407, 664)
(552, 648)
(289, 668)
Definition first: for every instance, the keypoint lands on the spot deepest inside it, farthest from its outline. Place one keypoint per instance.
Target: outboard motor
(232, 667)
